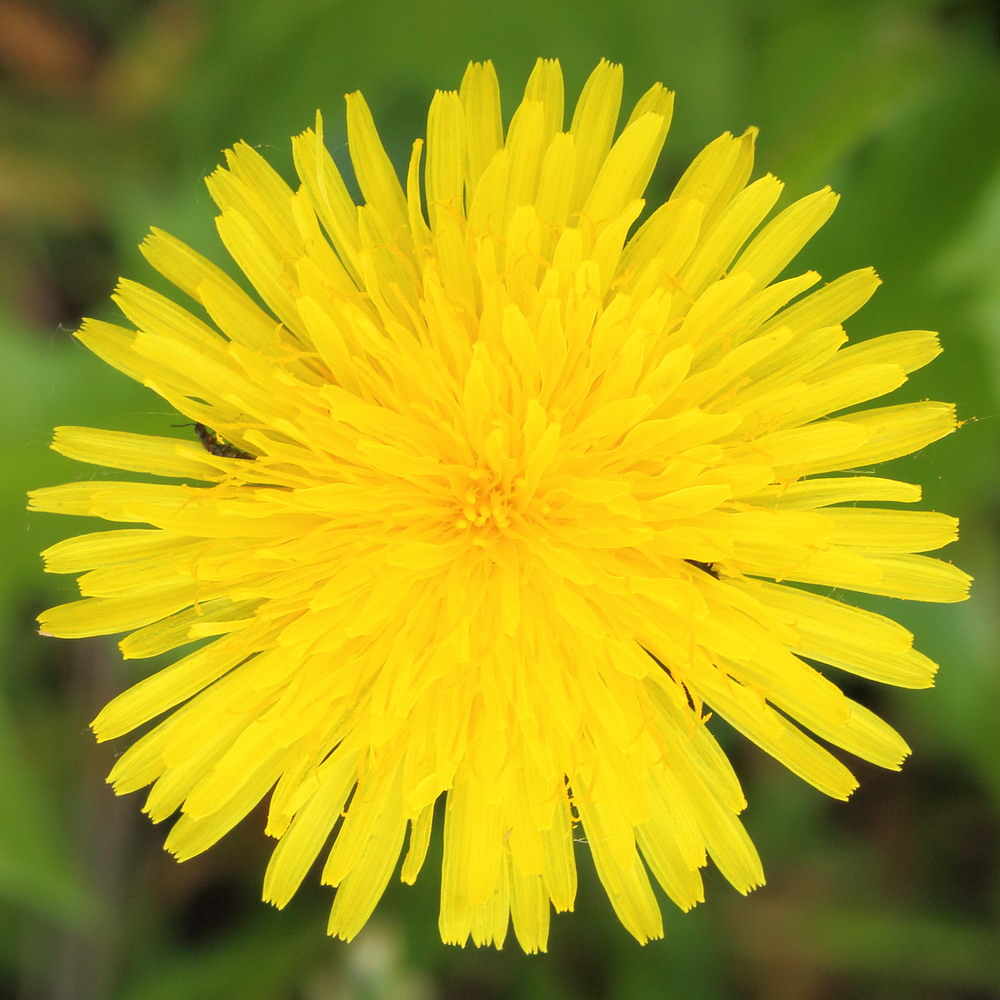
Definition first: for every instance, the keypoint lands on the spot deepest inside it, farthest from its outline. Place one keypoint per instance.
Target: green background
(111, 112)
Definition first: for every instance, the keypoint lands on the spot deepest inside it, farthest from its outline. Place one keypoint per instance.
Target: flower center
(487, 506)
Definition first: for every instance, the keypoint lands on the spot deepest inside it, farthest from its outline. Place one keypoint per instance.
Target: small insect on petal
(214, 444)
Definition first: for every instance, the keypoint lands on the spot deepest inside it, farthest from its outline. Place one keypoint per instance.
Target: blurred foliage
(110, 113)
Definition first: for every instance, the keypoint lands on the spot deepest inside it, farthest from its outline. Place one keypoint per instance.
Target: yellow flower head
(499, 496)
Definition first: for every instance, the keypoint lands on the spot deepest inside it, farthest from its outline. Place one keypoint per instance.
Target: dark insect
(708, 568)
(214, 444)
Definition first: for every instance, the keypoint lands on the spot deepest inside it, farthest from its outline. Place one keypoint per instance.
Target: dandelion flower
(503, 499)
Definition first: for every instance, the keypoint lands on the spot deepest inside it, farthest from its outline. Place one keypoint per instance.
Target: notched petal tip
(964, 583)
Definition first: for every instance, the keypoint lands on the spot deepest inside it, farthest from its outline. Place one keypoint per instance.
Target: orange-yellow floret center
(488, 507)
